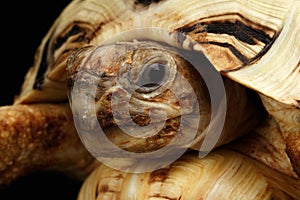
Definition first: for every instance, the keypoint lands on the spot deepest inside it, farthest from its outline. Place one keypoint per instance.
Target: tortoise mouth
(171, 134)
(147, 124)
(131, 122)
(125, 136)
(115, 84)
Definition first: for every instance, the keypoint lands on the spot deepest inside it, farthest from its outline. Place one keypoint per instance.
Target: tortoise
(164, 83)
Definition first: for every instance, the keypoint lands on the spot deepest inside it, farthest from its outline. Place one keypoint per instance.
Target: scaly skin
(40, 136)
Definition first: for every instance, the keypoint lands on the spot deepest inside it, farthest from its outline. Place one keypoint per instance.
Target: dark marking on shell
(265, 49)
(163, 197)
(239, 17)
(78, 32)
(190, 28)
(159, 175)
(298, 104)
(79, 29)
(105, 189)
(146, 2)
(62, 39)
(255, 58)
(297, 67)
(40, 76)
(238, 54)
(239, 30)
(239, 27)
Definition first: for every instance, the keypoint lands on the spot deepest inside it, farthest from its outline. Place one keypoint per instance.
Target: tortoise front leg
(40, 136)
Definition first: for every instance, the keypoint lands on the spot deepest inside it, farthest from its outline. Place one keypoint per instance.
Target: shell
(223, 174)
(269, 145)
(240, 38)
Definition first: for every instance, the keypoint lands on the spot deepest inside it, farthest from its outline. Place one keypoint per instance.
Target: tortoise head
(141, 88)
(135, 97)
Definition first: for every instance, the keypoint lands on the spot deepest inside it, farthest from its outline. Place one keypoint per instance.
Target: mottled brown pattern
(37, 136)
(293, 151)
(159, 175)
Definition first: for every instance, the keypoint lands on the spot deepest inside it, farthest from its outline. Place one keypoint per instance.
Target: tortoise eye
(152, 76)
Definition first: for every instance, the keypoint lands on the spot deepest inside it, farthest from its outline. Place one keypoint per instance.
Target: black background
(23, 25)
